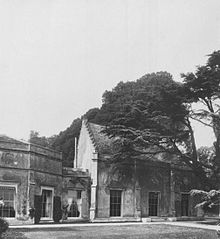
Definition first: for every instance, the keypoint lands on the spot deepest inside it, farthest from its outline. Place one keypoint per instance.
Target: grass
(145, 231)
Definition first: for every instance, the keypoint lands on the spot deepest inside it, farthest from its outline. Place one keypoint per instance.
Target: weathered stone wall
(45, 171)
(184, 181)
(149, 177)
(155, 177)
(85, 150)
(28, 168)
(39, 180)
(137, 183)
(12, 144)
(110, 179)
(77, 180)
(87, 160)
(45, 164)
(16, 178)
(14, 172)
(49, 153)
(10, 158)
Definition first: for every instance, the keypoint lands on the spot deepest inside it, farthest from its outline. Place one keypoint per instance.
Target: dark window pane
(153, 203)
(115, 203)
(7, 193)
(184, 204)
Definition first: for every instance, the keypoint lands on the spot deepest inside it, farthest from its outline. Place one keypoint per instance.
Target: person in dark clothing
(65, 211)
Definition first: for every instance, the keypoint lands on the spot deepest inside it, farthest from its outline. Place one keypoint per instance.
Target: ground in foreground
(145, 231)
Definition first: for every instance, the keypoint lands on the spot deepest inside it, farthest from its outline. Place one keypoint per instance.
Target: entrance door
(47, 203)
(153, 203)
(184, 204)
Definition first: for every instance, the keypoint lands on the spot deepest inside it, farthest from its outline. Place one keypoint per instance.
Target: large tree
(203, 89)
(153, 115)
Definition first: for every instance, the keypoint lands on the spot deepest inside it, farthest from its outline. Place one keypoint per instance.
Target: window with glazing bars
(7, 194)
(115, 203)
(46, 203)
(153, 203)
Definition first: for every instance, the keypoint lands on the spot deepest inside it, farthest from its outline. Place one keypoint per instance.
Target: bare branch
(206, 124)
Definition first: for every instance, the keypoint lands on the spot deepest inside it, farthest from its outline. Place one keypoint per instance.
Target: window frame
(14, 186)
(121, 202)
(48, 189)
(158, 203)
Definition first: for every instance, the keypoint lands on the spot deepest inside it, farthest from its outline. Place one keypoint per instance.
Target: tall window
(73, 209)
(78, 194)
(153, 203)
(46, 203)
(115, 203)
(184, 204)
(8, 196)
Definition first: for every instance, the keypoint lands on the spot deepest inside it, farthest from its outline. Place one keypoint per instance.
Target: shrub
(3, 226)
(57, 212)
(37, 206)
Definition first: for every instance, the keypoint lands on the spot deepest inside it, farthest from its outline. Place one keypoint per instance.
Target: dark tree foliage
(3, 226)
(203, 87)
(65, 141)
(38, 208)
(57, 211)
(92, 114)
(152, 116)
(35, 138)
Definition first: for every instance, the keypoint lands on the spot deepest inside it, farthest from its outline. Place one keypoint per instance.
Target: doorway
(47, 203)
(184, 204)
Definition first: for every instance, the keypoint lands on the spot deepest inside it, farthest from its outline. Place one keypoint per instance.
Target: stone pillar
(172, 194)
(137, 213)
(93, 202)
(94, 178)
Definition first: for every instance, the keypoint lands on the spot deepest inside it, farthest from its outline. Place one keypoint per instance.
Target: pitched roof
(5, 138)
(102, 143)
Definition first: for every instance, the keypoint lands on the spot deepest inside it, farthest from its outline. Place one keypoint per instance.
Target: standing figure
(65, 211)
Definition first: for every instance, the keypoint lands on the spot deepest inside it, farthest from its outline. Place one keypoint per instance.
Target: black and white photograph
(110, 119)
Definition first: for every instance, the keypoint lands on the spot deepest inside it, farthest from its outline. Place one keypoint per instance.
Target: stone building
(93, 190)
(27, 170)
(148, 188)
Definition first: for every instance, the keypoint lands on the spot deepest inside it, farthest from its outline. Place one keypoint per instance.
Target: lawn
(145, 231)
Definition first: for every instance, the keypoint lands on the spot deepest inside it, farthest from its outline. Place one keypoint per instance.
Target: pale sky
(57, 57)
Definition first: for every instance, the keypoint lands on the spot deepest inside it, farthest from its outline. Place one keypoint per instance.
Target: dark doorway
(184, 204)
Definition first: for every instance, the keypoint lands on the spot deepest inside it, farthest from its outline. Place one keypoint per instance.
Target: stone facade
(28, 171)
(76, 187)
(147, 188)
(94, 189)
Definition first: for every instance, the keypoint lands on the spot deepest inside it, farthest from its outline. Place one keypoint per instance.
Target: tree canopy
(156, 113)
(65, 140)
(153, 115)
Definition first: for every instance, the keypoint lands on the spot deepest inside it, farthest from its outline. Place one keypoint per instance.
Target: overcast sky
(57, 57)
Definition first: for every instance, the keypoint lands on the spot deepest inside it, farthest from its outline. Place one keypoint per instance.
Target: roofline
(91, 136)
(29, 143)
